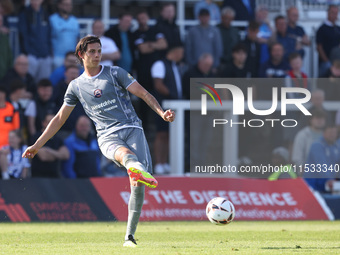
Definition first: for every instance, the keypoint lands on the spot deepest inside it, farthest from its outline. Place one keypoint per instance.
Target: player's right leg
(135, 169)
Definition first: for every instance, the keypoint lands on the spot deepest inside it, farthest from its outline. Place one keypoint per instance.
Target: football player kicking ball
(103, 91)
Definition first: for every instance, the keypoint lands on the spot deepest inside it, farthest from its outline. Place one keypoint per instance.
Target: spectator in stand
(331, 83)
(35, 39)
(166, 24)
(65, 31)
(168, 85)
(317, 103)
(276, 66)
(280, 159)
(213, 9)
(123, 38)
(59, 91)
(47, 161)
(9, 118)
(238, 67)
(6, 9)
(17, 92)
(203, 38)
(265, 32)
(295, 79)
(150, 43)
(38, 108)
(298, 79)
(289, 42)
(193, 137)
(327, 37)
(294, 30)
(58, 74)
(110, 52)
(337, 120)
(84, 160)
(20, 71)
(12, 165)
(253, 48)
(324, 152)
(6, 60)
(245, 9)
(306, 136)
(230, 35)
(203, 69)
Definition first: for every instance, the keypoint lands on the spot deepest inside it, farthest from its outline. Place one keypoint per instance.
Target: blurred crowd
(34, 82)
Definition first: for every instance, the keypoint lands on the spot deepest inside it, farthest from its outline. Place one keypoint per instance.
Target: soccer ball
(220, 211)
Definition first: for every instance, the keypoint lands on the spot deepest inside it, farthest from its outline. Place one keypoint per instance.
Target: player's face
(93, 55)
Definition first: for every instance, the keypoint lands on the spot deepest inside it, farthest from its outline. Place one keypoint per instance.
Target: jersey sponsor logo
(98, 93)
(101, 105)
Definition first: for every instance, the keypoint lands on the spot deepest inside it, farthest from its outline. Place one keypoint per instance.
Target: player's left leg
(135, 208)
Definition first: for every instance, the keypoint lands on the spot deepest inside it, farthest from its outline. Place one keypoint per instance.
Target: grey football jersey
(105, 99)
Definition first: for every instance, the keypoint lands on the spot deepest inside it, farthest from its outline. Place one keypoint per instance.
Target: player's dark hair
(44, 83)
(82, 45)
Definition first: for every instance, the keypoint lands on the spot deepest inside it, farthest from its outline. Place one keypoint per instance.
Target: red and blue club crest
(98, 93)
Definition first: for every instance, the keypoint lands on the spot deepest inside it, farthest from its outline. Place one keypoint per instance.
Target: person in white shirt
(110, 51)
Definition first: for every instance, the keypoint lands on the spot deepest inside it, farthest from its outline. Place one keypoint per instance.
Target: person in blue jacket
(322, 164)
(84, 151)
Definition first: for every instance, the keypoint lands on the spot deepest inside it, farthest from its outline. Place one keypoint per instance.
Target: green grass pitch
(293, 237)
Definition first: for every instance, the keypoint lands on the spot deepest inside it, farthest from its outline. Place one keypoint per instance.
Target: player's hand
(169, 115)
(30, 152)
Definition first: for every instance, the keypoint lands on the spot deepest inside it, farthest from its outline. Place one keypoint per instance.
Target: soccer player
(103, 92)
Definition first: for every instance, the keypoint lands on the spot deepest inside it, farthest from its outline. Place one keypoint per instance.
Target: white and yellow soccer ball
(220, 211)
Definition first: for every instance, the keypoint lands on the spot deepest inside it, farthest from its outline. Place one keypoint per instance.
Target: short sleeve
(124, 78)
(70, 98)
(158, 70)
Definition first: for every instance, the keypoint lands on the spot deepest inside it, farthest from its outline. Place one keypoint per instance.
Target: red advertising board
(185, 198)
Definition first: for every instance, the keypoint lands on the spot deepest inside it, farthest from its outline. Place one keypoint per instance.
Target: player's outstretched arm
(52, 128)
(136, 89)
